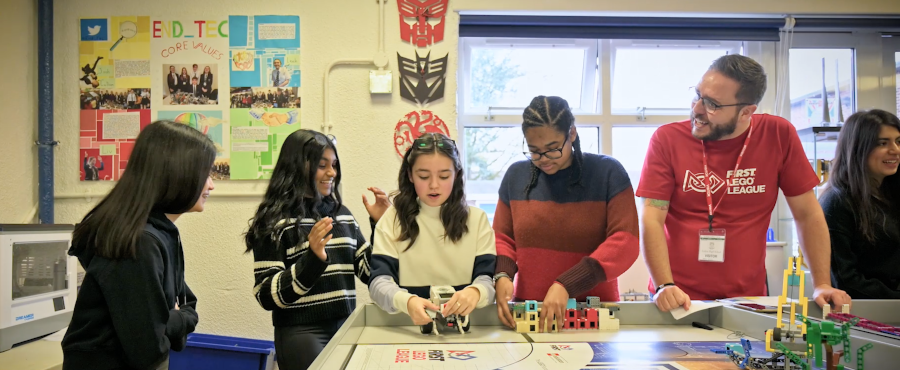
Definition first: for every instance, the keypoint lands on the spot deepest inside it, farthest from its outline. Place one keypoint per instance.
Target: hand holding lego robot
(449, 309)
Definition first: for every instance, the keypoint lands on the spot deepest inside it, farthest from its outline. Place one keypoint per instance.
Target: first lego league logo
(405, 356)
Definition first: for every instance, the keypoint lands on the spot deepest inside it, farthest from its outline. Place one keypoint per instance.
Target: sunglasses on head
(429, 141)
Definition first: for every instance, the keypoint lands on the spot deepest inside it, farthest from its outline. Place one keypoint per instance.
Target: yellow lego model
(788, 338)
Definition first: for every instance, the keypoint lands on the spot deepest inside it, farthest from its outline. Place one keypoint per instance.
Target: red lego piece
(570, 324)
(572, 314)
(582, 324)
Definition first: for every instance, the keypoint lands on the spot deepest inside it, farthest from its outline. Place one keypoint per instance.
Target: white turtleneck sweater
(399, 274)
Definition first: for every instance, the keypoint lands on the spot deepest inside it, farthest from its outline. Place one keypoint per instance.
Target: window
(508, 74)
(639, 65)
(489, 152)
(808, 80)
(629, 148)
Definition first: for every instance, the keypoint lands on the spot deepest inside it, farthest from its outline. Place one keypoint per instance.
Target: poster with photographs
(197, 71)
(264, 69)
(114, 86)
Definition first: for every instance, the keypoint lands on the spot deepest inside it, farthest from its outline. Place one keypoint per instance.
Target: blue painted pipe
(45, 141)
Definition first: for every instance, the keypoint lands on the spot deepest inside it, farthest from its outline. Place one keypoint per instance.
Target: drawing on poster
(106, 139)
(264, 51)
(114, 53)
(116, 99)
(265, 97)
(256, 137)
(190, 84)
(213, 125)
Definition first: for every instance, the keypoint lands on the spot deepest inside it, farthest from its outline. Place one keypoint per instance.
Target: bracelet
(501, 275)
(663, 286)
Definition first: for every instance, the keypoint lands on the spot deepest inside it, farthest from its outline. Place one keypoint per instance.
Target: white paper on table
(696, 306)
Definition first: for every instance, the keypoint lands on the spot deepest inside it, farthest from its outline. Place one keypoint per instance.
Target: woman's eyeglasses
(550, 154)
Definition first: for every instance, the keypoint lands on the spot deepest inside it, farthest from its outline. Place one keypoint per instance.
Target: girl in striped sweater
(307, 247)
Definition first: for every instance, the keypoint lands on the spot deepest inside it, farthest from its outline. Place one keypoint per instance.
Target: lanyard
(707, 182)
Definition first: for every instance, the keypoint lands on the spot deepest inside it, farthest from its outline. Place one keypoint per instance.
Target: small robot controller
(440, 295)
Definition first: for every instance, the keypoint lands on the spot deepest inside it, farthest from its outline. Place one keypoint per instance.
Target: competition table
(647, 339)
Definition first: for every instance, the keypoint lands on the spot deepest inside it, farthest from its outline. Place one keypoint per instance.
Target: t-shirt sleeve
(657, 176)
(796, 176)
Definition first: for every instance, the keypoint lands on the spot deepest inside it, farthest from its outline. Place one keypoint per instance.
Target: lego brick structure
(589, 315)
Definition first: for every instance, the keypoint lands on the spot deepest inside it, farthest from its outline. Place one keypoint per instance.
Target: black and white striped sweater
(301, 289)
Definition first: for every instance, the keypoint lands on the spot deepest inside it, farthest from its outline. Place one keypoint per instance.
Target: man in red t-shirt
(709, 186)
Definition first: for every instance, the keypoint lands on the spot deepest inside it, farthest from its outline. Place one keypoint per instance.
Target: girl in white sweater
(431, 237)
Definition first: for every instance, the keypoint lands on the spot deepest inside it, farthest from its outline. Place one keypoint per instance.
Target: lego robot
(440, 295)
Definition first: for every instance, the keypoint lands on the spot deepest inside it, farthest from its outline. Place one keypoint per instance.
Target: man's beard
(717, 131)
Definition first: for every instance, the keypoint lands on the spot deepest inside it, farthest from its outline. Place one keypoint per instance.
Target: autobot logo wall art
(422, 75)
(422, 21)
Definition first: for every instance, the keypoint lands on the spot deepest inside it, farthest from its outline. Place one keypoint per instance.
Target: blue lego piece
(572, 304)
(530, 306)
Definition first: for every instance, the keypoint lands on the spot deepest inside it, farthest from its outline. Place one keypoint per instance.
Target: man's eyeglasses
(711, 106)
(550, 154)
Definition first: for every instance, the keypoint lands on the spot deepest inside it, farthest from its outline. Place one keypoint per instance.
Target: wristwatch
(661, 286)
(500, 275)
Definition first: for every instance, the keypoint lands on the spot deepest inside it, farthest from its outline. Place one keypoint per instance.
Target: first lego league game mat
(546, 356)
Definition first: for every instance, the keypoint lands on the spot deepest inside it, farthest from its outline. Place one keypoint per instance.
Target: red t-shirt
(673, 171)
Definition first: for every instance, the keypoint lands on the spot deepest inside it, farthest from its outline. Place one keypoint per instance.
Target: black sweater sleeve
(133, 289)
(846, 273)
(182, 321)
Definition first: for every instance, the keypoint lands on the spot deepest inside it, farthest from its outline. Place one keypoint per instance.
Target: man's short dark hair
(195, 65)
(747, 72)
(193, 78)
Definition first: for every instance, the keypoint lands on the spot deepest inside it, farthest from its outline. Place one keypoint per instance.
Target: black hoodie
(125, 316)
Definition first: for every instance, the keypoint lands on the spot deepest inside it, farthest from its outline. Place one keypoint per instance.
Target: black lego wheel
(465, 319)
(427, 328)
(776, 334)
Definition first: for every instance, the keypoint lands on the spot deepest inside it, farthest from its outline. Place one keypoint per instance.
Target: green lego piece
(859, 355)
(794, 358)
(794, 280)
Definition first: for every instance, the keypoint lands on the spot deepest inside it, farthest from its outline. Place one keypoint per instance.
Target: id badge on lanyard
(712, 245)
(712, 241)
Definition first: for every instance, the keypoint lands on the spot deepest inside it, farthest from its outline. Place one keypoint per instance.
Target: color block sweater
(581, 236)
(301, 289)
(398, 273)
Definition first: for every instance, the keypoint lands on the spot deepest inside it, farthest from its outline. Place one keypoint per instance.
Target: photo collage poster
(135, 70)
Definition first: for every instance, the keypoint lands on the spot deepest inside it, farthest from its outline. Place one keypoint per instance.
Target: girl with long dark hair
(566, 222)
(134, 305)
(307, 247)
(862, 207)
(431, 237)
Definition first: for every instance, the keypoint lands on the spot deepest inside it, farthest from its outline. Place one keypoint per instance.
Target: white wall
(217, 269)
(18, 97)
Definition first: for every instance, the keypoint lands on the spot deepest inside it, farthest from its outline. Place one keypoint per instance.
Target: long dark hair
(552, 111)
(292, 191)
(850, 169)
(454, 211)
(166, 173)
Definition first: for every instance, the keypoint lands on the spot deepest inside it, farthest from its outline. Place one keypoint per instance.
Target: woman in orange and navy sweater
(566, 224)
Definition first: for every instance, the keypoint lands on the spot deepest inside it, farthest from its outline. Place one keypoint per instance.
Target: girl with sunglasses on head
(431, 237)
(134, 304)
(862, 207)
(307, 247)
(566, 222)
